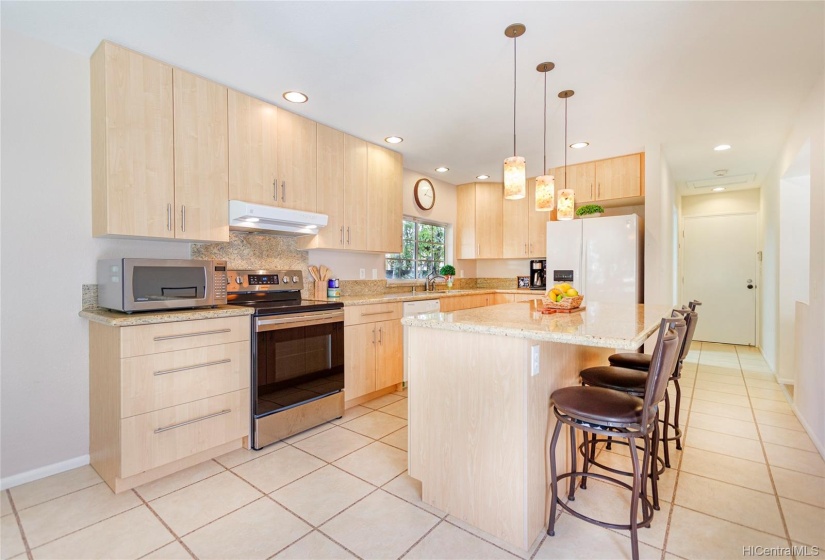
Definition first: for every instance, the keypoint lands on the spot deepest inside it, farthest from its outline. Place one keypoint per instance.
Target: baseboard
(816, 442)
(43, 472)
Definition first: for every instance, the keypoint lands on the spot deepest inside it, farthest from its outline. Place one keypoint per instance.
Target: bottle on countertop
(333, 288)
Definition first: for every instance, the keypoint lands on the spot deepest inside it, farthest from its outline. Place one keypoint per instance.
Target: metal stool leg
(554, 483)
(634, 503)
(665, 427)
(586, 458)
(654, 471)
(676, 414)
(572, 487)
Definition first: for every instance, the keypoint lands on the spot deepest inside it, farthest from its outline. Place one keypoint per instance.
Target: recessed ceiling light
(579, 145)
(252, 220)
(482, 177)
(718, 189)
(295, 97)
(393, 139)
(442, 169)
(722, 147)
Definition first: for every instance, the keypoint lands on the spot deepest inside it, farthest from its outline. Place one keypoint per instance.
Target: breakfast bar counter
(479, 387)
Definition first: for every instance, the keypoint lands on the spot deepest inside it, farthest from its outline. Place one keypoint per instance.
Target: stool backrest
(662, 363)
(691, 319)
(692, 305)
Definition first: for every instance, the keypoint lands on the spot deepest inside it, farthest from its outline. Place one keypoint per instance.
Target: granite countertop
(417, 296)
(607, 325)
(118, 319)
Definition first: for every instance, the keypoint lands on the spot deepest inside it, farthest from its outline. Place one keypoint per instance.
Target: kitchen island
(479, 387)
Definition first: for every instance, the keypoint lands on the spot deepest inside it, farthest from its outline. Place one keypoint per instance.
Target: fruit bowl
(566, 302)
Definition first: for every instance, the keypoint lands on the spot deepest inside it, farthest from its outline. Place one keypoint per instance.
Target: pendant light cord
(514, 95)
(544, 164)
(565, 143)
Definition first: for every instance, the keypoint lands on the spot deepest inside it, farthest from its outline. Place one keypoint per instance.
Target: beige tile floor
(748, 476)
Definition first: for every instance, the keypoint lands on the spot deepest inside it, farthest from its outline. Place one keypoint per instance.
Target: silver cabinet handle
(169, 216)
(275, 190)
(183, 217)
(373, 335)
(196, 366)
(207, 417)
(525, 248)
(348, 235)
(381, 336)
(342, 235)
(187, 335)
(283, 191)
(376, 313)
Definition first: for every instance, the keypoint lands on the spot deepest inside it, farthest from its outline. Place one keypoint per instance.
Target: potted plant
(448, 271)
(590, 211)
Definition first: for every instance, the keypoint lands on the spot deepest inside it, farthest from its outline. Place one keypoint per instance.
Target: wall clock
(424, 193)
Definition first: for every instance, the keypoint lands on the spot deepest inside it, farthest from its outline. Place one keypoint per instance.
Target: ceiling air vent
(726, 181)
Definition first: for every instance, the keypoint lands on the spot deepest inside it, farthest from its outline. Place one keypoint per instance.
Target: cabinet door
(384, 212)
(489, 200)
(581, 178)
(389, 364)
(331, 191)
(536, 225)
(359, 360)
(253, 132)
(465, 227)
(514, 225)
(133, 173)
(201, 158)
(355, 197)
(296, 146)
(618, 177)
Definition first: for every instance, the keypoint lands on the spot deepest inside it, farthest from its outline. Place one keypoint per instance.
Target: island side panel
(467, 427)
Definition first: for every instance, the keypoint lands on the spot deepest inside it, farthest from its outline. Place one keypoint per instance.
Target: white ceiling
(687, 75)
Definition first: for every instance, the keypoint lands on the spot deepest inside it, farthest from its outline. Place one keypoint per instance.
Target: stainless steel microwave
(158, 284)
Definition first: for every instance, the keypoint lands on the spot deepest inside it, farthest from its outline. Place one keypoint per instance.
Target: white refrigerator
(600, 257)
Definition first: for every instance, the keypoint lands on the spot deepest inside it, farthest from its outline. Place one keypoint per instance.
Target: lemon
(565, 287)
(572, 292)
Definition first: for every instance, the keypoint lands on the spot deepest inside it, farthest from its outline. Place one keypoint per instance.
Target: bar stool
(640, 362)
(600, 411)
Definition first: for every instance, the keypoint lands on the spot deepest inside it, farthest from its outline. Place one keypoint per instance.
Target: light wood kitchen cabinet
(297, 159)
(201, 160)
(479, 226)
(536, 225)
(620, 177)
(342, 192)
(457, 303)
(133, 170)
(253, 157)
(580, 177)
(384, 204)
(164, 397)
(373, 350)
(159, 150)
(524, 228)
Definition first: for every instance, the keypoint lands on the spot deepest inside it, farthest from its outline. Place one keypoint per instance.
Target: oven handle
(304, 319)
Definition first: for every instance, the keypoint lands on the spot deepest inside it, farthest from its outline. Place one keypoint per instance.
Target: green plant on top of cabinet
(272, 155)
(159, 145)
(479, 229)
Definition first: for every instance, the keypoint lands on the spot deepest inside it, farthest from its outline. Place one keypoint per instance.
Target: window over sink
(423, 250)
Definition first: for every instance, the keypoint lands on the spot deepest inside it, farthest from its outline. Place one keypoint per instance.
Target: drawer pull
(207, 417)
(174, 336)
(196, 366)
(376, 313)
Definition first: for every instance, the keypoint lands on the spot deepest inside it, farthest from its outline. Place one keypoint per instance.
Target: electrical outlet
(534, 360)
(461, 273)
(375, 274)
(362, 273)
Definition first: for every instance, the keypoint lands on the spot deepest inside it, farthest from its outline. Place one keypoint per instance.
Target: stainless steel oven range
(297, 353)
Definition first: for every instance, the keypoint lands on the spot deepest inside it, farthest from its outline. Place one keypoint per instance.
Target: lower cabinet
(373, 350)
(457, 303)
(166, 396)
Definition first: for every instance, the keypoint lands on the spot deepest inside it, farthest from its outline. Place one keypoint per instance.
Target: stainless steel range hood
(246, 216)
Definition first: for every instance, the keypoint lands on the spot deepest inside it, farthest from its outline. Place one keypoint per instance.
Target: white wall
(48, 253)
(661, 210)
(715, 204)
(809, 393)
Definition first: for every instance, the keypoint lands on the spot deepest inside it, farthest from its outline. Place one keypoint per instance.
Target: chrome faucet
(429, 283)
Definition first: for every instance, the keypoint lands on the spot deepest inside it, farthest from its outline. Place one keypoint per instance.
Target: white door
(720, 265)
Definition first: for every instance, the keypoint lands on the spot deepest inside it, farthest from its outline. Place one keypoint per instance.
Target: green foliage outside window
(422, 251)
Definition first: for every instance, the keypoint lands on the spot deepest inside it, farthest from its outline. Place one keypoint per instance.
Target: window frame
(416, 260)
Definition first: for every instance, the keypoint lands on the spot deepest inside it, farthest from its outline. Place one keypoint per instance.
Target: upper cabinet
(536, 225)
(159, 150)
(580, 177)
(272, 155)
(384, 203)
(524, 228)
(479, 223)
(604, 180)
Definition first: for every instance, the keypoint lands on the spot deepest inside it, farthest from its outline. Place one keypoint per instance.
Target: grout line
(489, 541)
(413, 545)
(19, 525)
(182, 487)
(768, 464)
(168, 528)
(60, 496)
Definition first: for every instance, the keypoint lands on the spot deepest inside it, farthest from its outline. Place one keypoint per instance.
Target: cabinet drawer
(167, 379)
(358, 314)
(182, 335)
(154, 439)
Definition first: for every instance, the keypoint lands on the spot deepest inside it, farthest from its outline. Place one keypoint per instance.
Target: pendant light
(515, 179)
(545, 184)
(567, 197)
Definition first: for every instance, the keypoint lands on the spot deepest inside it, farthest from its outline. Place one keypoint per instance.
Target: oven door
(298, 358)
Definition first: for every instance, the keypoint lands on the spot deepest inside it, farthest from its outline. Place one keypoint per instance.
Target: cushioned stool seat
(632, 360)
(599, 406)
(611, 377)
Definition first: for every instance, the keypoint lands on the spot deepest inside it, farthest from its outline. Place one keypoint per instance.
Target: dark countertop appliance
(297, 354)
(538, 274)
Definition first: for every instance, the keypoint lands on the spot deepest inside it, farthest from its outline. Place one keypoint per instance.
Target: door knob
(750, 284)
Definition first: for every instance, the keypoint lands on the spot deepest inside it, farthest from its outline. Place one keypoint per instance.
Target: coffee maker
(538, 274)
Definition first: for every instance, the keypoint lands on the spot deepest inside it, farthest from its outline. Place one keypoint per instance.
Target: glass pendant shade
(566, 204)
(545, 189)
(515, 178)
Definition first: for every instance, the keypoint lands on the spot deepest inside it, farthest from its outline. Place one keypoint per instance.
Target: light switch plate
(362, 273)
(375, 274)
(534, 360)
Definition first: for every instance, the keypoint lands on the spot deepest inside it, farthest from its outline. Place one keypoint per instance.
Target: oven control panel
(264, 280)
